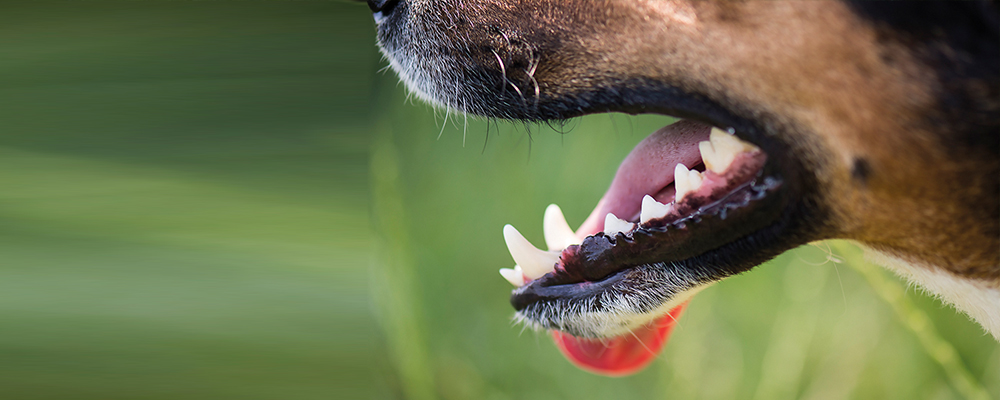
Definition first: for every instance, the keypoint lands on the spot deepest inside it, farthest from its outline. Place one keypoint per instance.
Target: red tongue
(648, 169)
(622, 355)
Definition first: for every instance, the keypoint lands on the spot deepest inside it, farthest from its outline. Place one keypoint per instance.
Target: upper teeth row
(717, 154)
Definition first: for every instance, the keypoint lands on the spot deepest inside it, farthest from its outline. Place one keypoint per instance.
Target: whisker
(447, 112)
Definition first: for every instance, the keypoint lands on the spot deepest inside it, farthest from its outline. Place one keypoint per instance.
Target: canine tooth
(513, 275)
(652, 209)
(533, 261)
(558, 234)
(613, 225)
(725, 148)
(681, 182)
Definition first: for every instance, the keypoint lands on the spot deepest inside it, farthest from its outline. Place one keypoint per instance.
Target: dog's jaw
(849, 113)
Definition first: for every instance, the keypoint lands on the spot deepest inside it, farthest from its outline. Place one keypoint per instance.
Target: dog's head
(802, 121)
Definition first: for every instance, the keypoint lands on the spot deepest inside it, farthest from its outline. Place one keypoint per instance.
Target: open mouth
(683, 210)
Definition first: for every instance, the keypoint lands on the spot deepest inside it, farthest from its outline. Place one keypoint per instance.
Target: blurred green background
(214, 200)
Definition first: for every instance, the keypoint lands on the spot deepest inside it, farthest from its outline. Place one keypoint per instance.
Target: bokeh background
(229, 200)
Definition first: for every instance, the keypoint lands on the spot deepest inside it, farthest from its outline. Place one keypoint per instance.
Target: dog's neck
(980, 299)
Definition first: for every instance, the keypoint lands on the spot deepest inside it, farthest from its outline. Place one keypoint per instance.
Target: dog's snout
(382, 6)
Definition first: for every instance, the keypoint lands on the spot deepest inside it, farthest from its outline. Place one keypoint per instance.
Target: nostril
(383, 6)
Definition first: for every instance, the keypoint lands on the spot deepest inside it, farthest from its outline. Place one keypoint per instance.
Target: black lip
(382, 6)
(697, 241)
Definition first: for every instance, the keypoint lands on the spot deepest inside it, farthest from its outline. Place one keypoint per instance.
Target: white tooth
(709, 157)
(725, 148)
(613, 225)
(515, 276)
(694, 179)
(558, 234)
(533, 262)
(652, 209)
(681, 184)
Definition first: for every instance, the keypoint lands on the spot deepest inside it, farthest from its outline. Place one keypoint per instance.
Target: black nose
(383, 6)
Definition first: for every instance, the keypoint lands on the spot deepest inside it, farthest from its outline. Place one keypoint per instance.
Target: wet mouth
(683, 209)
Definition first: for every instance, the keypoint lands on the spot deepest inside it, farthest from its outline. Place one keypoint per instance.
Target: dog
(801, 121)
